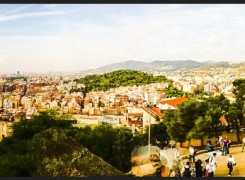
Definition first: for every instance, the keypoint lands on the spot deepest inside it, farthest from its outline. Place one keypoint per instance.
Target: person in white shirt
(230, 163)
(243, 143)
(212, 162)
(191, 154)
(209, 169)
(220, 142)
(177, 154)
(163, 157)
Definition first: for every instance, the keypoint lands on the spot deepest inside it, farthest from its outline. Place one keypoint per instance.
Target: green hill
(97, 82)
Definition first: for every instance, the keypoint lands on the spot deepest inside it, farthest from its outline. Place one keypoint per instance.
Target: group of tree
(48, 145)
(196, 119)
(103, 82)
(172, 91)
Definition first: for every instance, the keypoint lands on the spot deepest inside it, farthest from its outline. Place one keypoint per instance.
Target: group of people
(207, 168)
(202, 169)
(224, 145)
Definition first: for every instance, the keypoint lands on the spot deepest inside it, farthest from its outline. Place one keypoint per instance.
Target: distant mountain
(149, 67)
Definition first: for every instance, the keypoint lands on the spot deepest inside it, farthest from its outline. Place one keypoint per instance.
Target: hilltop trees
(119, 78)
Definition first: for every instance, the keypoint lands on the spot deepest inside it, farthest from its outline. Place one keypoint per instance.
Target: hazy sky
(74, 37)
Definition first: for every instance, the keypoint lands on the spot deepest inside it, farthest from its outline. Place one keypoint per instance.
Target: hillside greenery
(46, 145)
(97, 82)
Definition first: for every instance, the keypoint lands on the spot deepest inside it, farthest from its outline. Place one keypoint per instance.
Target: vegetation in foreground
(48, 145)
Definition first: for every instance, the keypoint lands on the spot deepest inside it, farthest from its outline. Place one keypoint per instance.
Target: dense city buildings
(22, 97)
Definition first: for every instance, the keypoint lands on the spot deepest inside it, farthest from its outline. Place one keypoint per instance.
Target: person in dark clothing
(209, 146)
(230, 163)
(199, 168)
(228, 146)
(186, 170)
(226, 143)
(158, 172)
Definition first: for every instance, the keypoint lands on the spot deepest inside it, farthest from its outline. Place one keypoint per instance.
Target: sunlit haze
(67, 37)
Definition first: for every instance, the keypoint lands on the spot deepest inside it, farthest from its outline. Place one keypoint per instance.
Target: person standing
(163, 157)
(212, 162)
(228, 145)
(177, 154)
(243, 143)
(175, 169)
(220, 142)
(198, 167)
(191, 154)
(186, 171)
(209, 169)
(226, 142)
(230, 163)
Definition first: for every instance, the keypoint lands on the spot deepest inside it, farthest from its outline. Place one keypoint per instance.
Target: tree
(239, 91)
(114, 145)
(102, 138)
(159, 135)
(172, 91)
(45, 146)
(17, 154)
(195, 119)
(58, 154)
(216, 107)
(174, 126)
(122, 148)
(233, 119)
(46, 119)
(188, 112)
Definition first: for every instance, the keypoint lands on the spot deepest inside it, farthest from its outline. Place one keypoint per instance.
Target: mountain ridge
(149, 67)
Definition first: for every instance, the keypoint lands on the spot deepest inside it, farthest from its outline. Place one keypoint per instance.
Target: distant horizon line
(19, 72)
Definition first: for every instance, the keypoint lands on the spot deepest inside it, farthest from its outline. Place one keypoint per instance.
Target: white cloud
(26, 15)
(169, 32)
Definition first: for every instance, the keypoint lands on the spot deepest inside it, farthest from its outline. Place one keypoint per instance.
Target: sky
(76, 37)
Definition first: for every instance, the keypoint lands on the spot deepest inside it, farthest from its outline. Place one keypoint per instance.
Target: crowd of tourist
(201, 168)
(207, 167)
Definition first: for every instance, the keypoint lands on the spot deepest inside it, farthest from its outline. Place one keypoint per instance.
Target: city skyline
(76, 37)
